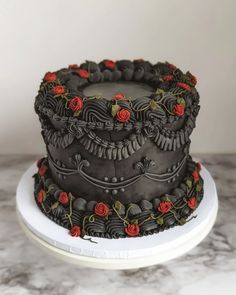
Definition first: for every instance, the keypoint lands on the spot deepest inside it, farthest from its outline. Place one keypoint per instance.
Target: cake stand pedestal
(124, 253)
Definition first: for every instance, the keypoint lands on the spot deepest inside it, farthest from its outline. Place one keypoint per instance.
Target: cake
(117, 136)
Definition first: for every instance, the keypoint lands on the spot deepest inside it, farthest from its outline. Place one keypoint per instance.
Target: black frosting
(99, 158)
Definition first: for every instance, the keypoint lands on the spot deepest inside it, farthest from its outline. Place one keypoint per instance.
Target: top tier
(158, 94)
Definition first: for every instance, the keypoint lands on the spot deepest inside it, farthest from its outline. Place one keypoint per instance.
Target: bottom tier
(116, 220)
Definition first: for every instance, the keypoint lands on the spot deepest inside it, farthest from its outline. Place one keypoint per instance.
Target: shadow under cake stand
(124, 253)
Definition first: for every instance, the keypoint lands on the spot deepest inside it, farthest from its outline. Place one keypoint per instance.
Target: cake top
(119, 93)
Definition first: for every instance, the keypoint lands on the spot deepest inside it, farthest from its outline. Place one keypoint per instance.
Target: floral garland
(131, 226)
(119, 112)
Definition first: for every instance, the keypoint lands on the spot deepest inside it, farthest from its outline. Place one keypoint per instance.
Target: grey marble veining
(210, 268)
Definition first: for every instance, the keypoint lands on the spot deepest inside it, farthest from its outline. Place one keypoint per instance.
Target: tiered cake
(117, 139)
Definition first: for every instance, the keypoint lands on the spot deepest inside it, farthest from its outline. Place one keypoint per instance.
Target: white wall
(37, 36)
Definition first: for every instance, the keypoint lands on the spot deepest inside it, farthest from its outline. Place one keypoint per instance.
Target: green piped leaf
(114, 109)
(160, 220)
(189, 183)
(77, 113)
(153, 105)
(55, 205)
(181, 101)
(182, 220)
(198, 187)
(118, 205)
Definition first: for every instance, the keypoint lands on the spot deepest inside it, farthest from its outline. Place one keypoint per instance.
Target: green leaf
(134, 221)
(55, 205)
(189, 183)
(118, 205)
(77, 113)
(160, 91)
(114, 109)
(160, 220)
(153, 105)
(181, 101)
(182, 220)
(198, 187)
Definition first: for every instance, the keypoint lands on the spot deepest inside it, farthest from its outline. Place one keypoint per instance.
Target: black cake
(117, 139)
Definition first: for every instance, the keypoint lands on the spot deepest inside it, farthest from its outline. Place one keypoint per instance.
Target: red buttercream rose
(123, 115)
(179, 109)
(199, 166)
(171, 66)
(194, 80)
(195, 175)
(183, 86)
(119, 96)
(42, 170)
(139, 60)
(73, 66)
(109, 64)
(132, 230)
(40, 196)
(76, 104)
(75, 231)
(101, 209)
(58, 90)
(168, 78)
(50, 77)
(192, 202)
(63, 198)
(164, 206)
(39, 162)
(83, 73)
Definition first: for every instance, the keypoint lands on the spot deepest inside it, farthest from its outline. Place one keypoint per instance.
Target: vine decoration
(115, 220)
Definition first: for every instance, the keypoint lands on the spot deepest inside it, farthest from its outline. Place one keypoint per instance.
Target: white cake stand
(124, 253)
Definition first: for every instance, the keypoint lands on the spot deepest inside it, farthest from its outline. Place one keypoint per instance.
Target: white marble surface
(209, 268)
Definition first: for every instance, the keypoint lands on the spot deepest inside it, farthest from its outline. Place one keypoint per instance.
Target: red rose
(49, 77)
(42, 170)
(168, 78)
(40, 196)
(164, 206)
(39, 162)
(183, 85)
(194, 80)
(179, 109)
(101, 209)
(83, 73)
(139, 60)
(73, 67)
(195, 175)
(75, 231)
(132, 230)
(109, 64)
(199, 166)
(119, 96)
(63, 198)
(192, 202)
(171, 66)
(76, 104)
(123, 115)
(58, 90)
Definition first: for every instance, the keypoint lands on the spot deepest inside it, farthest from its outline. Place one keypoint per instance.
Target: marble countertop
(209, 268)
